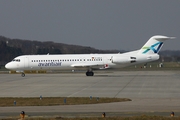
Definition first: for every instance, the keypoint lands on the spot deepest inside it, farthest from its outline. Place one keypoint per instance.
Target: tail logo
(154, 47)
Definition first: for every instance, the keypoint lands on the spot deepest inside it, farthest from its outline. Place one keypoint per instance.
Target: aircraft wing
(83, 65)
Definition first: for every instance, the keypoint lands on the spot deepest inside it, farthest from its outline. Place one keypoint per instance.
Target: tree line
(11, 48)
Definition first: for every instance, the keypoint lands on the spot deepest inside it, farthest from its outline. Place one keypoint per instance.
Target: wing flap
(86, 65)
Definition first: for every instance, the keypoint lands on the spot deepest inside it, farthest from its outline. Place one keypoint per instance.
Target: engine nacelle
(123, 60)
(147, 58)
(137, 59)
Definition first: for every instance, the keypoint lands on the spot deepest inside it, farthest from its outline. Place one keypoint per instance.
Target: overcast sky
(102, 24)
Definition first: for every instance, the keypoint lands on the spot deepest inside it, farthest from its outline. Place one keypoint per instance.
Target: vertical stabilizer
(154, 44)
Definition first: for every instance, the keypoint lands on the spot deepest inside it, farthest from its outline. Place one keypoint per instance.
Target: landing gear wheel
(90, 73)
(22, 74)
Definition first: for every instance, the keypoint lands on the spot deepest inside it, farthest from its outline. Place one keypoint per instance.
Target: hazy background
(102, 24)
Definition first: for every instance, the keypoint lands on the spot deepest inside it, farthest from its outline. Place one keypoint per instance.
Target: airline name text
(49, 64)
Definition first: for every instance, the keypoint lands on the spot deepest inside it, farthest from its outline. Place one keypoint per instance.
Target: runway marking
(145, 84)
(141, 88)
(84, 88)
(126, 85)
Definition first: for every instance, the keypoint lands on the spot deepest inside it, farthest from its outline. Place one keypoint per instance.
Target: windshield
(16, 60)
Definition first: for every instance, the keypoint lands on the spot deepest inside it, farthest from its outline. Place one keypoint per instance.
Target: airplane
(149, 52)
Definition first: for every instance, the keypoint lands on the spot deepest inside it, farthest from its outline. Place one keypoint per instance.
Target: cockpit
(16, 60)
(17, 64)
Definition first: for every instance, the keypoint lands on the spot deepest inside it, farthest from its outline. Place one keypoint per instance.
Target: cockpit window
(16, 60)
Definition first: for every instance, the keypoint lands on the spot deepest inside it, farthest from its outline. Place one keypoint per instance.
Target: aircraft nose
(7, 66)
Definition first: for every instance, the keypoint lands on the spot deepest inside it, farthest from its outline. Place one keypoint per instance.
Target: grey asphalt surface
(152, 92)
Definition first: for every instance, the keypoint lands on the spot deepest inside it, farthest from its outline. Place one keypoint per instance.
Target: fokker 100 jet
(149, 52)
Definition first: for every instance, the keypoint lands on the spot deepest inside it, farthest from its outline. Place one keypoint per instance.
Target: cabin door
(26, 62)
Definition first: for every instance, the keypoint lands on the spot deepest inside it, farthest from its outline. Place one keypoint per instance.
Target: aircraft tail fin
(154, 44)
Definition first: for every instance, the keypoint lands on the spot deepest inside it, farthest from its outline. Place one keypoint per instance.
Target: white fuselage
(74, 61)
(148, 53)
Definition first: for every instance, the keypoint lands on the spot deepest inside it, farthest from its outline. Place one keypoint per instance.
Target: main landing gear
(89, 73)
(23, 74)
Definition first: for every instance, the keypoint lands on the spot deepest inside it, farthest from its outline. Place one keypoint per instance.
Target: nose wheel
(22, 74)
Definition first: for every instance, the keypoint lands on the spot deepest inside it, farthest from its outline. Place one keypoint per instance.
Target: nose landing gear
(23, 74)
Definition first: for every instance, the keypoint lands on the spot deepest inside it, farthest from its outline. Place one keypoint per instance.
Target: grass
(50, 101)
(47, 101)
(143, 117)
